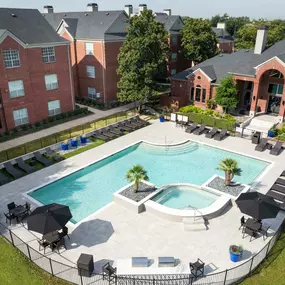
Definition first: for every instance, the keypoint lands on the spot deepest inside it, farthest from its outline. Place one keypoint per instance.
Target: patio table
(51, 238)
(18, 211)
(253, 224)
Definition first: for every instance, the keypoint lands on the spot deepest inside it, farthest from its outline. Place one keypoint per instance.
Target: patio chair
(277, 196)
(191, 128)
(53, 155)
(264, 232)
(276, 149)
(251, 233)
(23, 165)
(212, 133)
(28, 207)
(11, 206)
(242, 222)
(262, 145)
(12, 170)
(221, 135)
(64, 233)
(40, 158)
(197, 268)
(4, 179)
(109, 273)
(43, 244)
(59, 244)
(200, 130)
(9, 217)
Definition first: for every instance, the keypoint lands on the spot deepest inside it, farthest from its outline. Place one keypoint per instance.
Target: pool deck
(115, 233)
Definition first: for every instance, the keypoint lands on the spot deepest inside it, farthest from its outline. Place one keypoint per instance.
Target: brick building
(225, 40)
(96, 37)
(35, 69)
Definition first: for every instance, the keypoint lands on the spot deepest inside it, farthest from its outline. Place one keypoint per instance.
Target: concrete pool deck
(117, 234)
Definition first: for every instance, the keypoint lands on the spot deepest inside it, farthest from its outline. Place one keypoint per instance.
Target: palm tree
(136, 174)
(230, 167)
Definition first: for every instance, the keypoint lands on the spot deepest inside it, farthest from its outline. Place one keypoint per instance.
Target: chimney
(142, 7)
(167, 11)
(261, 40)
(221, 26)
(92, 7)
(48, 9)
(129, 9)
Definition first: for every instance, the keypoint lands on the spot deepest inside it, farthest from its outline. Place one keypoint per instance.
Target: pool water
(91, 188)
(185, 197)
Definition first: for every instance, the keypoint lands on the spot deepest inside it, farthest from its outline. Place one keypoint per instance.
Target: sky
(269, 9)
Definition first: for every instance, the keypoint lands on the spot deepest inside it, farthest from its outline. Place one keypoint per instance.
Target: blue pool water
(91, 188)
(183, 197)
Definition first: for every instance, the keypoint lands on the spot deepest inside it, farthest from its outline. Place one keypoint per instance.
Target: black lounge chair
(54, 155)
(114, 131)
(262, 145)
(128, 124)
(138, 121)
(4, 179)
(192, 128)
(212, 133)
(200, 130)
(121, 126)
(276, 149)
(276, 196)
(40, 158)
(23, 165)
(278, 188)
(280, 181)
(283, 173)
(106, 133)
(135, 125)
(97, 135)
(11, 169)
(221, 135)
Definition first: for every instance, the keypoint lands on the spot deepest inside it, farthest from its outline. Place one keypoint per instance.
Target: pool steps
(194, 224)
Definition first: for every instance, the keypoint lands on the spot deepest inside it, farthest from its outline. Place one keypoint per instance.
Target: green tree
(219, 19)
(245, 37)
(144, 50)
(230, 167)
(199, 42)
(226, 94)
(136, 174)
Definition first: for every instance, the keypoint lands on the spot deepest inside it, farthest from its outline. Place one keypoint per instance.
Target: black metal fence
(70, 272)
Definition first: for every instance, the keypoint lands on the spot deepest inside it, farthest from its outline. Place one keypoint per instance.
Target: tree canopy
(144, 50)
(227, 94)
(199, 42)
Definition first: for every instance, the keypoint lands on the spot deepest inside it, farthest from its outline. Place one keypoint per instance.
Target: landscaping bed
(99, 104)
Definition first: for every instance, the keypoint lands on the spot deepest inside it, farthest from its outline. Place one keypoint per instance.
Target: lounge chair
(278, 188)
(221, 135)
(192, 128)
(200, 130)
(138, 121)
(276, 196)
(262, 145)
(40, 158)
(212, 133)
(276, 149)
(128, 124)
(106, 133)
(134, 124)
(114, 131)
(53, 155)
(283, 173)
(123, 127)
(280, 181)
(97, 135)
(11, 169)
(23, 165)
(4, 179)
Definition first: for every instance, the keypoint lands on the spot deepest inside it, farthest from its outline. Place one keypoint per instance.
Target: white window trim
(22, 120)
(11, 60)
(91, 74)
(54, 111)
(48, 54)
(53, 85)
(89, 51)
(16, 92)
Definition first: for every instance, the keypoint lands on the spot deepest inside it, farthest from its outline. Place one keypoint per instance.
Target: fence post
(29, 253)
(153, 281)
(250, 265)
(226, 273)
(267, 250)
(11, 238)
(51, 267)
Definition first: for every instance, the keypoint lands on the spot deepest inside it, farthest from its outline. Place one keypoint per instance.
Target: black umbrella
(257, 205)
(49, 218)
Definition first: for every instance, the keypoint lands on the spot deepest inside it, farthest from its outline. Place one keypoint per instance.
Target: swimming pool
(185, 197)
(91, 188)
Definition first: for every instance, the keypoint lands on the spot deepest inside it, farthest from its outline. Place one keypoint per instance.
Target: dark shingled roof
(97, 25)
(240, 62)
(222, 35)
(171, 23)
(28, 25)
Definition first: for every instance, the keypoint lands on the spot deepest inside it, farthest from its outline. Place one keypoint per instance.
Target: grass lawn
(15, 269)
(272, 270)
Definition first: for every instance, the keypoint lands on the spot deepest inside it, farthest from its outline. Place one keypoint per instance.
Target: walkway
(98, 114)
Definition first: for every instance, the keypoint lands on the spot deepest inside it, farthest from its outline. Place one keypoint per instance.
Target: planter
(64, 146)
(74, 143)
(83, 140)
(235, 253)
(161, 119)
(272, 133)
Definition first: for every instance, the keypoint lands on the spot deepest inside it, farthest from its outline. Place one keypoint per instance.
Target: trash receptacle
(85, 265)
(256, 138)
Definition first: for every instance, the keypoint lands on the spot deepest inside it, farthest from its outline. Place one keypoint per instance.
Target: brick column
(282, 108)
(254, 99)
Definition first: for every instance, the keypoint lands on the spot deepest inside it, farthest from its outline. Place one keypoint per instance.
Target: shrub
(51, 119)
(58, 117)
(209, 112)
(210, 104)
(14, 131)
(217, 114)
(69, 114)
(6, 133)
(25, 127)
(229, 117)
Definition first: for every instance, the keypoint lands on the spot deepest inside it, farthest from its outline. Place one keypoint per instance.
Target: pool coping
(38, 203)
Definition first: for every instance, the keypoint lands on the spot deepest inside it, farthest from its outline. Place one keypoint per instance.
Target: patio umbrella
(49, 218)
(257, 205)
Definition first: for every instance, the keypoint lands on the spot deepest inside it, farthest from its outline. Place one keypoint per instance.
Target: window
(248, 85)
(89, 48)
(51, 81)
(199, 77)
(90, 70)
(192, 94)
(174, 57)
(203, 95)
(275, 74)
(173, 71)
(53, 108)
(11, 58)
(275, 89)
(174, 40)
(198, 93)
(21, 117)
(16, 88)
(92, 94)
(48, 54)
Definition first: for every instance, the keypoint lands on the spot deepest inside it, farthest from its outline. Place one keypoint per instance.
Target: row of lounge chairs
(213, 133)
(118, 129)
(264, 145)
(277, 191)
(21, 168)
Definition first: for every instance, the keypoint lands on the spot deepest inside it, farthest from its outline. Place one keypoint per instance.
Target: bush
(14, 131)
(25, 127)
(217, 114)
(58, 117)
(209, 112)
(51, 119)
(229, 118)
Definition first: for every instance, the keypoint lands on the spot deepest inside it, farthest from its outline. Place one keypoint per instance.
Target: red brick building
(225, 40)
(35, 69)
(96, 37)
(258, 73)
